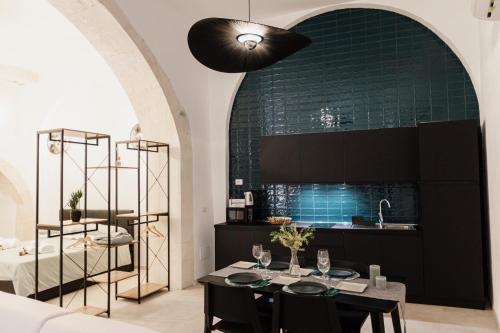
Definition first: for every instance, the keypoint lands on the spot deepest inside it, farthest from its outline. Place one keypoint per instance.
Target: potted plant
(289, 236)
(74, 201)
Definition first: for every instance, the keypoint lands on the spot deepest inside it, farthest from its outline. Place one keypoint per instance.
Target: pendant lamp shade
(234, 46)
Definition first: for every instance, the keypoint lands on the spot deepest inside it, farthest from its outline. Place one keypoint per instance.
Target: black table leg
(396, 323)
(377, 322)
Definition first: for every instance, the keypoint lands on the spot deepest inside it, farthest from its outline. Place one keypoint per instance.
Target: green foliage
(75, 199)
(289, 236)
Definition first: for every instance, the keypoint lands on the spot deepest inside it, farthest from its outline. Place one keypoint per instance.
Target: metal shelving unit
(145, 217)
(64, 137)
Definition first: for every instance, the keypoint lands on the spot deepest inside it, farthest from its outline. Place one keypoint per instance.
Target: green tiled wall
(365, 69)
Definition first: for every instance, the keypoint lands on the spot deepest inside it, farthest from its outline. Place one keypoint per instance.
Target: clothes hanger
(158, 232)
(83, 241)
(152, 230)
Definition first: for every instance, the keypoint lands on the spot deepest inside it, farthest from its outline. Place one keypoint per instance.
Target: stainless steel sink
(388, 226)
(394, 226)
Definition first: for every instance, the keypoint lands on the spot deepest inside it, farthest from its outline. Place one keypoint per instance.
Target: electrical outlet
(238, 182)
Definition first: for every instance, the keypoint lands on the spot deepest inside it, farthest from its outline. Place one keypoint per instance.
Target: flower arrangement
(289, 236)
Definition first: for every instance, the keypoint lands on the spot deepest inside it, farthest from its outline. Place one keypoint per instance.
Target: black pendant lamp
(235, 46)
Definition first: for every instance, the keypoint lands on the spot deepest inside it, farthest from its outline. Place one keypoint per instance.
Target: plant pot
(76, 215)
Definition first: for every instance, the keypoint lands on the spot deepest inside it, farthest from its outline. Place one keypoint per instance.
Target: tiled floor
(182, 311)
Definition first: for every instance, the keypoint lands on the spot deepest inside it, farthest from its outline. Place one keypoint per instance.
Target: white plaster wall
(164, 27)
(50, 76)
(490, 83)
(8, 211)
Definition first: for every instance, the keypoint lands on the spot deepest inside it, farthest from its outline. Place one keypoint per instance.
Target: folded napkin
(243, 264)
(8, 243)
(306, 271)
(351, 286)
(119, 237)
(284, 280)
(261, 284)
(331, 292)
(42, 248)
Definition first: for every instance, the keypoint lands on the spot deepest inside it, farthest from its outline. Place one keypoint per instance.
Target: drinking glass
(323, 255)
(257, 253)
(323, 263)
(265, 258)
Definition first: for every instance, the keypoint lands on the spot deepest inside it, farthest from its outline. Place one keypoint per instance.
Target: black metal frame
(147, 147)
(87, 139)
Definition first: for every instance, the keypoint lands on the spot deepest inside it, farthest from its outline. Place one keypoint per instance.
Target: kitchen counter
(340, 226)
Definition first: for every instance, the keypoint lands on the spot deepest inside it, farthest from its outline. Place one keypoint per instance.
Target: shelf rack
(145, 217)
(65, 137)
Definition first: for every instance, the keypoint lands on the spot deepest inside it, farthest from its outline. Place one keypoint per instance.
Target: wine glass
(265, 258)
(257, 253)
(323, 263)
(323, 255)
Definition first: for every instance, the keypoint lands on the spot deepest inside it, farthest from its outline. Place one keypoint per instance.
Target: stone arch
(13, 184)
(157, 107)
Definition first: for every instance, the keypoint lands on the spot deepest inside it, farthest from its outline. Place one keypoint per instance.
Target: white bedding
(21, 269)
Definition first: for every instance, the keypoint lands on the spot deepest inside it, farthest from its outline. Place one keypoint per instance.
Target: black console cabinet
(398, 252)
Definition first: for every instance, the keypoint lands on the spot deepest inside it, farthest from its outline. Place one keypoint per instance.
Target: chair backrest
(305, 314)
(234, 304)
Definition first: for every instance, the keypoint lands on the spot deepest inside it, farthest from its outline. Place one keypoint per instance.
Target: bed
(17, 273)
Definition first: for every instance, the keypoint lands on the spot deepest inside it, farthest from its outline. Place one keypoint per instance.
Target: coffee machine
(240, 210)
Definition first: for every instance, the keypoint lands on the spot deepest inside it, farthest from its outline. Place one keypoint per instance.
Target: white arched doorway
(156, 106)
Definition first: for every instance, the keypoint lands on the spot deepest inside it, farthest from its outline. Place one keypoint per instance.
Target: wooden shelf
(115, 276)
(146, 290)
(71, 133)
(91, 310)
(112, 167)
(116, 245)
(134, 216)
(83, 221)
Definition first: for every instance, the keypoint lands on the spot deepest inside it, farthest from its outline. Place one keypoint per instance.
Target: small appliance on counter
(240, 210)
(248, 199)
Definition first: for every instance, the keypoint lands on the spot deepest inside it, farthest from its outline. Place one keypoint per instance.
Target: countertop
(339, 226)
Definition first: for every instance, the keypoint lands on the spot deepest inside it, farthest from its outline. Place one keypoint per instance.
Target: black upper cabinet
(449, 151)
(322, 158)
(369, 156)
(280, 159)
(381, 156)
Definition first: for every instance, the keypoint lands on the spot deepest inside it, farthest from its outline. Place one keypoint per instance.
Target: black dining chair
(318, 308)
(352, 319)
(305, 314)
(237, 309)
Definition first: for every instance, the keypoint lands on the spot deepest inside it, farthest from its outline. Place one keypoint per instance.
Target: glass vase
(294, 268)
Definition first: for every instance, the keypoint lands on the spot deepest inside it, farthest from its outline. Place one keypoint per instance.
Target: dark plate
(307, 288)
(278, 265)
(244, 278)
(341, 273)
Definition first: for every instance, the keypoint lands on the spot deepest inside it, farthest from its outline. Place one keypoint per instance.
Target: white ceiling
(261, 9)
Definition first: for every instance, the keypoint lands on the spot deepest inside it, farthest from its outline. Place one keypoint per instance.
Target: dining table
(373, 300)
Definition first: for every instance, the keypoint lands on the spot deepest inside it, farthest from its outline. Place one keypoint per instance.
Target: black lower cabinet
(453, 244)
(399, 253)
(232, 245)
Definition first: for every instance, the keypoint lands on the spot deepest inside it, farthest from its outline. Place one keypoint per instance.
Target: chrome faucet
(380, 215)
